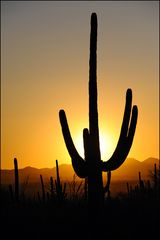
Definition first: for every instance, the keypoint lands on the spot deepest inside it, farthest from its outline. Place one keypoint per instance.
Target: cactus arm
(127, 113)
(133, 125)
(78, 163)
(126, 136)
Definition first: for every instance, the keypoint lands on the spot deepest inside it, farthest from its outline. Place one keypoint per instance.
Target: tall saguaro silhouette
(92, 166)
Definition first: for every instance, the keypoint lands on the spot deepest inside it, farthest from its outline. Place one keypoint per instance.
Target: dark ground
(123, 218)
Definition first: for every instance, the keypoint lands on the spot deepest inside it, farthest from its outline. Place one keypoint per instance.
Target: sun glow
(106, 145)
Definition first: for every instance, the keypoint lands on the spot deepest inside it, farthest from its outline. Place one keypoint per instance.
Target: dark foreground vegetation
(57, 213)
(124, 217)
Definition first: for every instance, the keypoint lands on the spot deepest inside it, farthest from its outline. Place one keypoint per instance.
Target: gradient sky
(44, 68)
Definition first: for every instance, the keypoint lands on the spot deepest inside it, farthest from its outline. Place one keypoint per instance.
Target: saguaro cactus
(92, 166)
(16, 175)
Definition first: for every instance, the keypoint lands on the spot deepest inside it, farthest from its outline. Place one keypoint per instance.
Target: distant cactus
(43, 189)
(17, 191)
(141, 188)
(52, 190)
(60, 191)
(92, 166)
(16, 175)
(144, 189)
(155, 178)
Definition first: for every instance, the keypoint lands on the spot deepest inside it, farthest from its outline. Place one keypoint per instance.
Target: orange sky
(44, 63)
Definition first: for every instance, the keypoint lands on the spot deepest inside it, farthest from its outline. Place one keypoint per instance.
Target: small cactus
(141, 187)
(16, 175)
(52, 190)
(60, 191)
(43, 189)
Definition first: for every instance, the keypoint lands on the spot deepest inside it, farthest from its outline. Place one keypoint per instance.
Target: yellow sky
(45, 52)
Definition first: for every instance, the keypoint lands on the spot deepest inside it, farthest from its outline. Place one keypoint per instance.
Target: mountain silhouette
(127, 172)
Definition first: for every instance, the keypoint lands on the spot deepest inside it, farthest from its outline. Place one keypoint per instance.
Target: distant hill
(130, 168)
(128, 172)
(66, 173)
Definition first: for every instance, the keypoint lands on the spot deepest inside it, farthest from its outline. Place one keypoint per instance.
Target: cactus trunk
(95, 184)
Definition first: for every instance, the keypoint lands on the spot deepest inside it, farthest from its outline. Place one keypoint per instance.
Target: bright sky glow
(44, 68)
